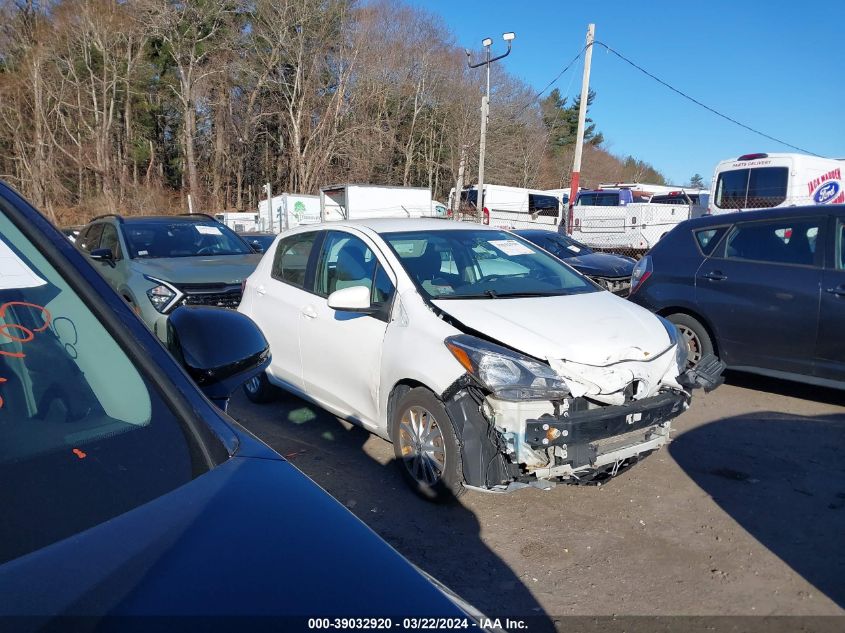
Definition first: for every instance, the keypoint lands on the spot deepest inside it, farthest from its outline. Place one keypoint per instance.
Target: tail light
(486, 215)
(641, 272)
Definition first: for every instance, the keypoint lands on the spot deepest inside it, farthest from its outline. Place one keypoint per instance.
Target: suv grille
(220, 295)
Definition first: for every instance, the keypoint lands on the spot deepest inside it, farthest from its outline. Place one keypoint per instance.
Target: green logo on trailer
(298, 210)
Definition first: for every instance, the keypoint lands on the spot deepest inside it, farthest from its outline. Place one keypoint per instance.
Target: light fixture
(487, 41)
(508, 36)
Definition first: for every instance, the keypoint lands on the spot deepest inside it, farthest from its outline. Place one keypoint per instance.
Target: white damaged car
(487, 362)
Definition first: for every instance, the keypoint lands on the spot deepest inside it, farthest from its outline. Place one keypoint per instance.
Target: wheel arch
(665, 312)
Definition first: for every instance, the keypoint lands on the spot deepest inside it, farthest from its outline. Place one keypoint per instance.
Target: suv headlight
(163, 296)
(680, 343)
(508, 374)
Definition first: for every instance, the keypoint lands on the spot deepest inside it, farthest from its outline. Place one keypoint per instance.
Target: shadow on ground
(782, 478)
(786, 388)
(443, 540)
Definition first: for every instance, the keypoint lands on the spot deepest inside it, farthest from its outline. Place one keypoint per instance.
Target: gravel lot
(743, 514)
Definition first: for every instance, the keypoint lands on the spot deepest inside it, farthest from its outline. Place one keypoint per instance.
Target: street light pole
(485, 112)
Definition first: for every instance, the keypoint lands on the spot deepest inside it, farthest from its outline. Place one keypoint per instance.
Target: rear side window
(291, 259)
(708, 238)
(758, 188)
(787, 241)
(840, 245)
(90, 239)
(546, 206)
(599, 199)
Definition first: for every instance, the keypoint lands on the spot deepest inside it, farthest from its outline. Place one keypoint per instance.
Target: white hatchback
(487, 362)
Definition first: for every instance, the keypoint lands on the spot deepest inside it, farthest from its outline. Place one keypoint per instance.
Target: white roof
(393, 225)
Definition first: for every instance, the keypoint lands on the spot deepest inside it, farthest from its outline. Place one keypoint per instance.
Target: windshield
(757, 188)
(84, 435)
(479, 264)
(160, 238)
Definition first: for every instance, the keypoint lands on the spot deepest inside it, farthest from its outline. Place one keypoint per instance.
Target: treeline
(110, 106)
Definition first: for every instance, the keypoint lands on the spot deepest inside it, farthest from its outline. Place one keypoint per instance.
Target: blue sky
(774, 65)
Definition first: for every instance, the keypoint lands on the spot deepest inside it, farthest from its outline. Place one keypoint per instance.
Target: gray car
(157, 263)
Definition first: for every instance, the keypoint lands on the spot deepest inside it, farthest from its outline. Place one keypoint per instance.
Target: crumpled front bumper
(585, 436)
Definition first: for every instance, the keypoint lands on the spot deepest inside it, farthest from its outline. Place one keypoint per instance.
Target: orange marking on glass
(80, 454)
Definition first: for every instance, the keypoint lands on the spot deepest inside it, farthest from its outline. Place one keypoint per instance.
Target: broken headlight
(508, 374)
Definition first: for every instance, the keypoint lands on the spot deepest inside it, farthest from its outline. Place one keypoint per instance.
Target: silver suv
(157, 263)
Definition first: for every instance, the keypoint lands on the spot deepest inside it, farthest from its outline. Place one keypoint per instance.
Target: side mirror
(219, 348)
(352, 299)
(103, 255)
(256, 247)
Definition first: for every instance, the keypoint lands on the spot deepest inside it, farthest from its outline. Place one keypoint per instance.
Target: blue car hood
(253, 536)
(602, 265)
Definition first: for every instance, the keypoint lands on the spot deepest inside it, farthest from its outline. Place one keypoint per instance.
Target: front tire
(426, 446)
(696, 335)
(260, 390)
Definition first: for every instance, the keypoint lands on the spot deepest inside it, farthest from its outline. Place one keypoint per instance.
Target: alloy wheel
(421, 444)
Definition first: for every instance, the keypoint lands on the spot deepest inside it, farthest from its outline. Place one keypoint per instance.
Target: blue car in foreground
(126, 492)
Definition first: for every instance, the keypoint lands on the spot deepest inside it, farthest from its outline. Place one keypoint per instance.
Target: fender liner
(482, 453)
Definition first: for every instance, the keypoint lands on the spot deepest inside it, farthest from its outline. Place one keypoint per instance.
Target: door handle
(310, 312)
(839, 292)
(260, 290)
(715, 276)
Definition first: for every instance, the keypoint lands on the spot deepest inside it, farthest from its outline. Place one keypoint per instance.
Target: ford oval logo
(826, 192)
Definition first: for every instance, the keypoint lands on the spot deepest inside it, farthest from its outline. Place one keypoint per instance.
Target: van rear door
(756, 184)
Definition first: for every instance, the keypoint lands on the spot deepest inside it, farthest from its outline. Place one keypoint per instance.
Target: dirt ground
(742, 514)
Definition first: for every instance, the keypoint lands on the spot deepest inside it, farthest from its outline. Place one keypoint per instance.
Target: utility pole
(485, 111)
(269, 205)
(459, 186)
(582, 118)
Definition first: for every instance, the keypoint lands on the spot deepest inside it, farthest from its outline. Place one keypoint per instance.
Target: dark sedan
(127, 493)
(259, 242)
(610, 271)
(763, 290)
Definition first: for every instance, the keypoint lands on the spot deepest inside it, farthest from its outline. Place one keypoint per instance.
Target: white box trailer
(239, 221)
(351, 201)
(763, 181)
(298, 208)
(515, 207)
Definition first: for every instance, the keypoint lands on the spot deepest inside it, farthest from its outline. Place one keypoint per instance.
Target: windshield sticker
(143, 253)
(208, 230)
(574, 248)
(511, 247)
(14, 273)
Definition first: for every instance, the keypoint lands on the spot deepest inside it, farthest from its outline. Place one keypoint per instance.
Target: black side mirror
(220, 349)
(103, 255)
(256, 247)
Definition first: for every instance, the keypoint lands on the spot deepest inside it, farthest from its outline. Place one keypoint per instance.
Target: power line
(548, 85)
(697, 102)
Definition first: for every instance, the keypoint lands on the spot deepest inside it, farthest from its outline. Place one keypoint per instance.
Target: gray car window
(109, 240)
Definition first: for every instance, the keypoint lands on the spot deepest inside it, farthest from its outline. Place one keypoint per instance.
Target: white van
(762, 181)
(515, 207)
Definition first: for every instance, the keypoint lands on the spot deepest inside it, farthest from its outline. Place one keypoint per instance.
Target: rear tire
(426, 446)
(260, 390)
(696, 335)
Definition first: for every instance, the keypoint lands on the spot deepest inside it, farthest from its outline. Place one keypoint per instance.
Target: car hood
(595, 328)
(229, 269)
(602, 265)
(597, 342)
(253, 536)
